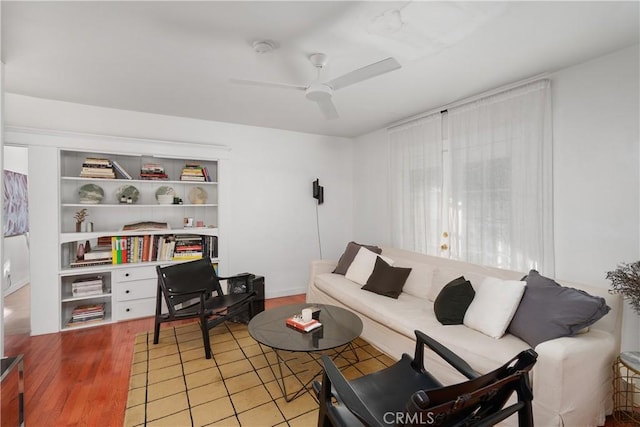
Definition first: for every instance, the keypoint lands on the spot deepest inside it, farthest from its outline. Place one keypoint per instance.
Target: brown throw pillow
(349, 254)
(387, 280)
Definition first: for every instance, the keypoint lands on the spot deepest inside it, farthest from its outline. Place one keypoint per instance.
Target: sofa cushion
(548, 310)
(494, 305)
(420, 279)
(386, 280)
(362, 266)
(441, 276)
(453, 301)
(349, 254)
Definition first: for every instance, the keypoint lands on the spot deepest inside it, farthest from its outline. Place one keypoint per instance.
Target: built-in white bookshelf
(129, 216)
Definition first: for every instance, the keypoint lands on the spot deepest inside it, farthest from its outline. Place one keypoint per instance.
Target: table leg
(281, 361)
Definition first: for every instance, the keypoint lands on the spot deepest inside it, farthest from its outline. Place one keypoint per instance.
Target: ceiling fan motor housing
(318, 92)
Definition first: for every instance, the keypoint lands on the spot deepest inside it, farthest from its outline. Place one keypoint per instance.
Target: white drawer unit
(135, 273)
(133, 309)
(135, 292)
(136, 289)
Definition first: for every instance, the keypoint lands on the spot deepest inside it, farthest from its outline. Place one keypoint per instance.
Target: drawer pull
(126, 274)
(127, 291)
(128, 310)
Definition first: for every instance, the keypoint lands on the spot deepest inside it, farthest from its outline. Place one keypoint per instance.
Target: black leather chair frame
(192, 290)
(406, 394)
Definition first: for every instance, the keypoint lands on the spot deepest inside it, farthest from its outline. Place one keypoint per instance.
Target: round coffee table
(339, 328)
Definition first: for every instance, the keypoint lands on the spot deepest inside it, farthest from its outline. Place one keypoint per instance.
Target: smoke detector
(263, 46)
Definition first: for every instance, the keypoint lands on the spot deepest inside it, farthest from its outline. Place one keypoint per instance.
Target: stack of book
(153, 171)
(87, 286)
(94, 167)
(194, 172)
(83, 314)
(298, 324)
(188, 247)
(99, 253)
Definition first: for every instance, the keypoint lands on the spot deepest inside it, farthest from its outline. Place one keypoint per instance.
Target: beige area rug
(172, 384)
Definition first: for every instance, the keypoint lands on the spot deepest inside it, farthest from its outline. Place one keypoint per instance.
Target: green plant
(625, 280)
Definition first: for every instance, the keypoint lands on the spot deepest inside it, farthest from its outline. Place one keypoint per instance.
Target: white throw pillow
(494, 305)
(362, 266)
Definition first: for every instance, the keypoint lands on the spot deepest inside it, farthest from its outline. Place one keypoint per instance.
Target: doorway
(15, 265)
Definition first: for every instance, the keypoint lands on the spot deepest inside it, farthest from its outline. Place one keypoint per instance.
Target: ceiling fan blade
(364, 73)
(266, 84)
(327, 108)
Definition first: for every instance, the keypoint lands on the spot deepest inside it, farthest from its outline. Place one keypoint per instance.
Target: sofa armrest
(319, 266)
(574, 373)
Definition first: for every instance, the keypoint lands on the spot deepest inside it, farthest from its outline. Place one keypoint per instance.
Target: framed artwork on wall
(15, 212)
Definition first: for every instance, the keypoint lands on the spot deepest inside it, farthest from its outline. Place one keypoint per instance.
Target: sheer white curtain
(416, 171)
(501, 180)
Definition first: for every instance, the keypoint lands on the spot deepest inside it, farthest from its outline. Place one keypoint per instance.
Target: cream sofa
(572, 379)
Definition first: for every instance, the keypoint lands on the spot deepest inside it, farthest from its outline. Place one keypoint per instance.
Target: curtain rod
(469, 99)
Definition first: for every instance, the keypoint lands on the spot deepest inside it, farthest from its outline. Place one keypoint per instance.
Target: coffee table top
(339, 327)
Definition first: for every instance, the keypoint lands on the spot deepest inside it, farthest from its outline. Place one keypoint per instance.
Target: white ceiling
(176, 58)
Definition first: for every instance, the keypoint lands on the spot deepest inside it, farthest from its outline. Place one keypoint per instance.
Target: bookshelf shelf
(137, 205)
(129, 287)
(122, 181)
(76, 299)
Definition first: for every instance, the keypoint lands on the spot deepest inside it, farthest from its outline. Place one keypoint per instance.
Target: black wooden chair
(406, 394)
(192, 290)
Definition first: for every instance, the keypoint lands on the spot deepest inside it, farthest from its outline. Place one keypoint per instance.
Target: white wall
(16, 250)
(596, 181)
(271, 226)
(596, 152)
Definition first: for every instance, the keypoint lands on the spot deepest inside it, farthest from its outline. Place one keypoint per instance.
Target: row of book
(87, 313)
(195, 172)
(97, 167)
(144, 248)
(87, 286)
(180, 247)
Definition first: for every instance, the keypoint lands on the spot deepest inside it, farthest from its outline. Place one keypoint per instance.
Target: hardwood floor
(80, 378)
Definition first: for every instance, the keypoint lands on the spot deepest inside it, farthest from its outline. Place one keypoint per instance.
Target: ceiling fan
(320, 92)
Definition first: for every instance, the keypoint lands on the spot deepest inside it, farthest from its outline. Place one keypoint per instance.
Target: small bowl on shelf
(165, 199)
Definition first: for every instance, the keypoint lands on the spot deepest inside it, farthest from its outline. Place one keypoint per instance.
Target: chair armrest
(450, 357)
(244, 276)
(335, 385)
(194, 292)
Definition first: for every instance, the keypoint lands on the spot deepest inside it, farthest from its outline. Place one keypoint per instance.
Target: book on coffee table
(297, 323)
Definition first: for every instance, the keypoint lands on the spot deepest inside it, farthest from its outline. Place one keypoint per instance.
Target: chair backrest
(480, 401)
(188, 277)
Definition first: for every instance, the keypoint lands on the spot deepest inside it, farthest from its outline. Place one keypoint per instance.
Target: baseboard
(15, 286)
(284, 292)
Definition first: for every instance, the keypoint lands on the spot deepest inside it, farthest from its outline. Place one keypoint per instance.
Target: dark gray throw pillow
(453, 300)
(349, 254)
(386, 280)
(548, 311)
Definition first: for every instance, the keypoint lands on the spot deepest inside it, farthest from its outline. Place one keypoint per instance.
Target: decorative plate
(91, 194)
(127, 191)
(166, 191)
(197, 196)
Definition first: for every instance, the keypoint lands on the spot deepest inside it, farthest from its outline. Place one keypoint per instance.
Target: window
(478, 189)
